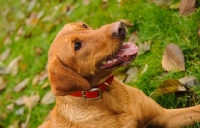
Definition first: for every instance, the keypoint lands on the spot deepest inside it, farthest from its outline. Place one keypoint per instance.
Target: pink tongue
(127, 49)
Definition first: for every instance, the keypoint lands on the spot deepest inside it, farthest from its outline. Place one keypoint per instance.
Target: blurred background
(27, 28)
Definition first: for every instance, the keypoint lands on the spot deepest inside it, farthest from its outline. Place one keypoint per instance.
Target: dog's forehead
(75, 26)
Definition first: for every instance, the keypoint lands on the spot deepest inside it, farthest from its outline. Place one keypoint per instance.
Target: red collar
(95, 93)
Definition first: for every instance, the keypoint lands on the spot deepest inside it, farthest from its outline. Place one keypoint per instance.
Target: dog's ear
(64, 80)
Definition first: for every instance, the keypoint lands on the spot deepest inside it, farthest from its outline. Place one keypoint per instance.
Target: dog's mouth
(126, 53)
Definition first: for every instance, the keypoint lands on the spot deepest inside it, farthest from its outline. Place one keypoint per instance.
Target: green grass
(161, 25)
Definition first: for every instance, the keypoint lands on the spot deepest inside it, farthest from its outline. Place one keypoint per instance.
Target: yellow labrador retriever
(81, 61)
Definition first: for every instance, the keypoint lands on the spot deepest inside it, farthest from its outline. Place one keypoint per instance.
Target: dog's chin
(125, 55)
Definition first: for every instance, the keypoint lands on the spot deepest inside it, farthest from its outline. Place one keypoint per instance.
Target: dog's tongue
(127, 49)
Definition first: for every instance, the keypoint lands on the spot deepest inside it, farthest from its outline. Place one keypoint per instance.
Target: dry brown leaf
(169, 86)
(32, 20)
(126, 22)
(86, 2)
(46, 84)
(144, 69)
(199, 32)
(31, 5)
(189, 81)
(20, 100)
(40, 77)
(10, 107)
(2, 83)
(39, 51)
(15, 124)
(20, 111)
(21, 31)
(133, 38)
(186, 7)
(5, 54)
(19, 87)
(13, 66)
(162, 2)
(48, 98)
(25, 124)
(7, 41)
(144, 47)
(132, 74)
(31, 101)
(173, 59)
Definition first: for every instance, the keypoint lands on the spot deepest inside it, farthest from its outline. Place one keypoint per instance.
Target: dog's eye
(77, 45)
(85, 26)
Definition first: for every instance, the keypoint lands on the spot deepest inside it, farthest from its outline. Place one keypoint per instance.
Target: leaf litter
(5, 54)
(12, 67)
(186, 7)
(48, 98)
(168, 86)
(20, 86)
(173, 58)
(2, 83)
(40, 77)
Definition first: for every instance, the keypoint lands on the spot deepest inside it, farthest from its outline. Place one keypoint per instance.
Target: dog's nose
(118, 30)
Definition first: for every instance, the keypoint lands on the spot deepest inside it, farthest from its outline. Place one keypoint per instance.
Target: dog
(80, 65)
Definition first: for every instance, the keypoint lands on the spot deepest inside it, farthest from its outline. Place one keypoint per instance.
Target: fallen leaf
(20, 100)
(48, 98)
(86, 2)
(20, 111)
(31, 101)
(132, 74)
(19, 87)
(189, 81)
(7, 41)
(15, 124)
(25, 124)
(40, 77)
(67, 9)
(31, 5)
(186, 7)
(38, 51)
(10, 107)
(32, 20)
(21, 31)
(5, 54)
(133, 38)
(145, 68)
(162, 2)
(2, 83)
(144, 47)
(126, 22)
(173, 59)
(167, 87)
(13, 66)
(104, 3)
(45, 85)
(199, 31)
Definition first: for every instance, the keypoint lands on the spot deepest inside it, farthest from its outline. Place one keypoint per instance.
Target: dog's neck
(95, 93)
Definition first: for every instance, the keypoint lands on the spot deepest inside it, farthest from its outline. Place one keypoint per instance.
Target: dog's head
(80, 56)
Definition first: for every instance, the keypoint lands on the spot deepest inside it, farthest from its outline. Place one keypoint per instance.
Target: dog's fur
(73, 70)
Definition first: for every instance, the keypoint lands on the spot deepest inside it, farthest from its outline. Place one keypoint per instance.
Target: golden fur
(120, 107)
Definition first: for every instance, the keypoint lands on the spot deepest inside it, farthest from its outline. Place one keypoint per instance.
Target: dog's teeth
(114, 60)
(109, 62)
